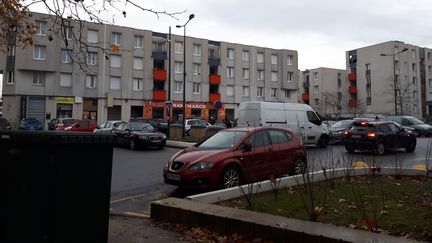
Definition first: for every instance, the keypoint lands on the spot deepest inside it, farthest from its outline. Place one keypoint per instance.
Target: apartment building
(137, 77)
(390, 78)
(325, 90)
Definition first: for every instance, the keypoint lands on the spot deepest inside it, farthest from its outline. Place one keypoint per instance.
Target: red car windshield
(223, 140)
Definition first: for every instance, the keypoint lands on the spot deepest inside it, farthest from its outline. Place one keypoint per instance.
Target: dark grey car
(138, 134)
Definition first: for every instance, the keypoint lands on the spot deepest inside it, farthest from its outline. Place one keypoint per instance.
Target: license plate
(173, 177)
(156, 141)
(356, 136)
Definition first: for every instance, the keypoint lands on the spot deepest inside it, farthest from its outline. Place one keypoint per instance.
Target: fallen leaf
(397, 184)
(279, 210)
(352, 226)
(342, 200)
(384, 212)
(352, 206)
(399, 205)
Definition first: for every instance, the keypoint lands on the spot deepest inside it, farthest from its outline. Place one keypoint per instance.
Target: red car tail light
(363, 124)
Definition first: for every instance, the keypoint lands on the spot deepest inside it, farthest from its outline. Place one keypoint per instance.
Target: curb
(131, 215)
(178, 144)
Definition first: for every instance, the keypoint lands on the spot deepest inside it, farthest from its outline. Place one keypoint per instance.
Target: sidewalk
(178, 144)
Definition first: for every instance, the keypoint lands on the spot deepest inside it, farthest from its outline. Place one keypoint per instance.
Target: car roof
(248, 129)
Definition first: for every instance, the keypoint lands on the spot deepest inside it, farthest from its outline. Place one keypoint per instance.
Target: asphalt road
(137, 175)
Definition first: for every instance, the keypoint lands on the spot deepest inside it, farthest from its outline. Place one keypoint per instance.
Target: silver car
(107, 126)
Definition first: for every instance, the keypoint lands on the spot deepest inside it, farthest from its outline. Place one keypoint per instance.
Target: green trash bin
(55, 186)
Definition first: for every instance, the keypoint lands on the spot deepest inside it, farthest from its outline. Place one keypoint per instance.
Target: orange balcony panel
(214, 79)
(352, 89)
(159, 74)
(305, 96)
(214, 97)
(159, 95)
(353, 102)
(352, 76)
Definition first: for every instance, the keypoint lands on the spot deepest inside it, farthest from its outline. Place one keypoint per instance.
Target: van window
(313, 118)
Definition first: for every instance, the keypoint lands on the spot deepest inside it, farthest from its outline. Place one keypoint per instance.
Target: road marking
(127, 198)
(138, 215)
(157, 193)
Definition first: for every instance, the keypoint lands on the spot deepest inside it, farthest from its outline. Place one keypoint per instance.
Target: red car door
(255, 161)
(283, 152)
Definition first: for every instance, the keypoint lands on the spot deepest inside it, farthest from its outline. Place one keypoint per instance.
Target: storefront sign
(64, 100)
(190, 105)
(110, 100)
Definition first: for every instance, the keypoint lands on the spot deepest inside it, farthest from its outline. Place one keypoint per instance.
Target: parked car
(378, 136)
(81, 125)
(61, 122)
(235, 156)
(138, 134)
(158, 124)
(30, 124)
(420, 128)
(337, 131)
(4, 124)
(195, 121)
(107, 126)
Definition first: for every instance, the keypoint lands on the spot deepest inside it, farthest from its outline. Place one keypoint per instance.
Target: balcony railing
(159, 95)
(214, 97)
(214, 79)
(305, 96)
(159, 74)
(352, 76)
(353, 102)
(352, 89)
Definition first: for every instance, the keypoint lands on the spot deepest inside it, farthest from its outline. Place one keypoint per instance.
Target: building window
(413, 53)
(316, 76)
(230, 54)
(196, 69)
(92, 36)
(415, 109)
(11, 51)
(91, 81)
(115, 61)
(230, 90)
(116, 38)
(274, 93)
(260, 57)
(290, 77)
(10, 77)
(38, 78)
(290, 60)
(260, 91)
(41, 28)
(196, 88)
(196, 50)
(287, 94)
(65, 79)
(66, 56)
(115, 83)
(316, 90)
(245, 91)
(274, 59)
(245, 56)
(178, 67)
(68, 33)
(39, 52)
(178, 86)
(138, 63)
(245, 73)
(414, 80)
(137, 84)
(138, 42)
(414, 67)
(317, 102)
(415, 95)
(178, 47)
(230, 72)
(260, 75)
(92, 58)
(274, 76)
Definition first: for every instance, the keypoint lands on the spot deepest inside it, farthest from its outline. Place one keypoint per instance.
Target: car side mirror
(246, 146)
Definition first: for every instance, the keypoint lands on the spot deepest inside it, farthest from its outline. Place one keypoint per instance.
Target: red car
(235, 156)
(82, 125)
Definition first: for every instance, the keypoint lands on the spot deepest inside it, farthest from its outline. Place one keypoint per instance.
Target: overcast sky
(320, 30)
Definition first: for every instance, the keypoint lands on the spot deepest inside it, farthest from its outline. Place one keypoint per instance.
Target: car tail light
(363, 124)
(372, 135)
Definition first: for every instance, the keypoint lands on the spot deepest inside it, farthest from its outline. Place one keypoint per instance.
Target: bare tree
(17, 27)
(357, 108)
(404, 96)
(332, 103)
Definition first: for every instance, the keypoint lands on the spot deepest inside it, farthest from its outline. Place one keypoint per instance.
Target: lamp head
(382, 54)
(178, 26)
(191, 16)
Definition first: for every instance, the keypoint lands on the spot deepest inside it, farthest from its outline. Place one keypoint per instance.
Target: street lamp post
(394, 77)
(184, 71)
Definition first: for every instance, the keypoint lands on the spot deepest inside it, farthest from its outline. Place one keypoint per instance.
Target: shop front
(201, 110)
(64, 106)
(90, 107)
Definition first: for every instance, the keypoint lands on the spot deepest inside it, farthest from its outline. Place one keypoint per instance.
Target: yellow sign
(110, 100)
(64, 100)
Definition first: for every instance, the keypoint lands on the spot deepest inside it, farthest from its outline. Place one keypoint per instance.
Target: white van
(299, 117)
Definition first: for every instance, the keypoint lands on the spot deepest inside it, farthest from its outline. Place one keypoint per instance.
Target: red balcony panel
(352, 76)
(352, 89)
(214, 79)
(214, 97)
(160, 74)
(305, 96)
(159, 95)
(353, 102)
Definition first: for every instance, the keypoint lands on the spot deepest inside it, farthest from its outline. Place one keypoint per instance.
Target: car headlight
(144, 137)
(201, 166)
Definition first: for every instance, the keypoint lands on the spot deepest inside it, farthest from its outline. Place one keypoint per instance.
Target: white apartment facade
(136, 77)
(374, 70)
(325, 90)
